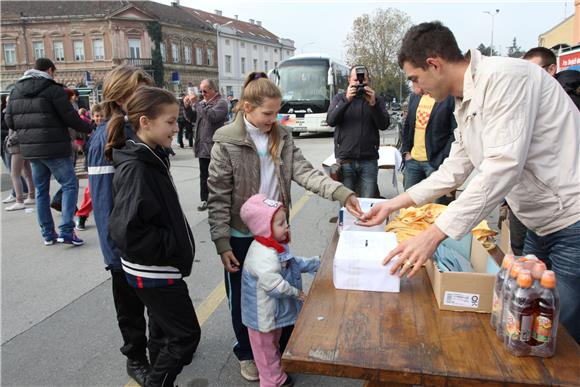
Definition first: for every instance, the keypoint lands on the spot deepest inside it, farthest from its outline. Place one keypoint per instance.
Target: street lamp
(304, 45)
(492, 14)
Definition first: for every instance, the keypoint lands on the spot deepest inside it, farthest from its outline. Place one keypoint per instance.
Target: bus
(308, 83)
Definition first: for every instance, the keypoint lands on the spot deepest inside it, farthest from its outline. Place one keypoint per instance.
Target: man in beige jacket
(520, 131)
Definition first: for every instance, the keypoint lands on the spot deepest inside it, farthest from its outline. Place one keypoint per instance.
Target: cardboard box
(358, 262)
(504, 237)
(465, 292)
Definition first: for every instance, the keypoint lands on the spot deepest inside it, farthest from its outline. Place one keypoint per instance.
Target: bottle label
(496, 306)
(526, 328)
(512, 328)
(542, 329)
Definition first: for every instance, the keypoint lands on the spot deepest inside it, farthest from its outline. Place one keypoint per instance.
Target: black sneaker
(202, 206)
(138, 370)
(80, 223)
(289, 382)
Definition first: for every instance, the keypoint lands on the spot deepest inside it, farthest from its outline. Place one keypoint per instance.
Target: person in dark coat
(40, 112)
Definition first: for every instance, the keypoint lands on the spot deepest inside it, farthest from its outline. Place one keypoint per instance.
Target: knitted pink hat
(257, 213)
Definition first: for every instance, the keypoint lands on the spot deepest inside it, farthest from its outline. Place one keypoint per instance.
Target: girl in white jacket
(272, 293)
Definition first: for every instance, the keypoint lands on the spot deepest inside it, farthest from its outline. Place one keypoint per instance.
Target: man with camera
(357, 116)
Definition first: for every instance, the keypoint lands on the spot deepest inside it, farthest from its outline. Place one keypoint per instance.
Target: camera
(360, 72)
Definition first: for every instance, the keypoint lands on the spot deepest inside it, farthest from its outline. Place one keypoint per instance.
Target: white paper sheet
(348, 221)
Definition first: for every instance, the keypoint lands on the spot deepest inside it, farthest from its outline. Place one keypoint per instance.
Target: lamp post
(492, 14)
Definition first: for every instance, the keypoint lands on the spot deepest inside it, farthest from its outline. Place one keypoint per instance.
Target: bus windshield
(302, 81)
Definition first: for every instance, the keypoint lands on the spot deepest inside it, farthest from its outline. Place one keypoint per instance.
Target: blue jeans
(417, 171)
(361, 174)
(561, 253)
(64, 173)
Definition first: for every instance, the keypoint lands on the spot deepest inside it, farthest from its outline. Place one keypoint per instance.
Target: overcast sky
(322, 25)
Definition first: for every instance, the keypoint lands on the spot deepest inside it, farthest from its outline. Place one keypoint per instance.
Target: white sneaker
(9, 199)
(29, 202)
(249, 370)
(16, 206)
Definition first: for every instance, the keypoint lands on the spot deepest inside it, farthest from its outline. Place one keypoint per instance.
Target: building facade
(565, 33)
(92, 38)
(243, 47)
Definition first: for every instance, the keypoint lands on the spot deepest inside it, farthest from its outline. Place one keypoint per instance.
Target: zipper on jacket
(175, 189)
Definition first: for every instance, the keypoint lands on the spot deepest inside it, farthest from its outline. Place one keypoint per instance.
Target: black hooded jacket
(39, 110)
(147, 223)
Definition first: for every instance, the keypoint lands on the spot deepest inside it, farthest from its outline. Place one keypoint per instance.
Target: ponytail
(115, 134)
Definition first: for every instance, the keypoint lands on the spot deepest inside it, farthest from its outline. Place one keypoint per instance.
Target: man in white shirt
(520, 131)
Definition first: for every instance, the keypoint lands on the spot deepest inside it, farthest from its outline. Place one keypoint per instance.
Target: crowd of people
(513, 123)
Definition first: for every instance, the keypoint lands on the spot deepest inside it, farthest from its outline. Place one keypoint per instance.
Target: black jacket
(356, 127)
(39, 110)
(439, 133)
(147, 223)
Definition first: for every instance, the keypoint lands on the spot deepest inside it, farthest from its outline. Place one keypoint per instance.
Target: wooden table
(392, 339)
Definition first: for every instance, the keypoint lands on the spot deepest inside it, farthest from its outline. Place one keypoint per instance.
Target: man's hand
(377, 214)
(407, 156)
(352, 205)
(350, 92)
(231, 264)
(190, 100)
(370, 96)
(414, 252)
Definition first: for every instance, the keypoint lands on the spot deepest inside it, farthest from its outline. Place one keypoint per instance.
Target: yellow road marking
(218, 295)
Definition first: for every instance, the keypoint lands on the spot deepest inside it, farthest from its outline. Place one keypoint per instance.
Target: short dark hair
(428, 40)
(43, 64)
(547, 55)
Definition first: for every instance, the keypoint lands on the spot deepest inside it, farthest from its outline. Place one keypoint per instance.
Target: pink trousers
(266, 350)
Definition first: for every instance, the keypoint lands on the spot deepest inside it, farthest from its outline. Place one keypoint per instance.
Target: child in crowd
(148, 226)
(272, 293)
(84, 211)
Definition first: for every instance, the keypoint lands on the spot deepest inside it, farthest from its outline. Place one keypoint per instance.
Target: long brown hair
(256, 87)
(120, 83)
(146, 101)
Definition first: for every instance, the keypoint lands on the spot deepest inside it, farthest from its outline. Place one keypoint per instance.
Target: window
(242, 44)
(228, 63)
(255, 47)
(187, 54)
(210, 56)
(255, 65)
(163, 50)
(230, 90)
(38, 49)
(134, 48)
(175, 52)
(98, 49)
(198, 56)
(276, 50)
(275, 64)
(287, 52)
(243, 66)
(10, 53)
(266, 48)
(266, 65)
(58, 48)
(227, 42)
(79, 50)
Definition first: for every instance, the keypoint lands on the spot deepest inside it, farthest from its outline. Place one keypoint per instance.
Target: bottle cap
(531, 257)
(548, 279)
(508, 260)
(524, 279)
(516, 267)
(538, 269)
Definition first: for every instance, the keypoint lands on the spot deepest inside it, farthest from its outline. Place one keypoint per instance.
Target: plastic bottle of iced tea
(520, 316)
(538, 270)
(508, 288)
(547, 313)
(503, 273)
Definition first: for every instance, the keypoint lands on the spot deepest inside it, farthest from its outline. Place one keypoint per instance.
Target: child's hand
(302, 296)
(230, 262)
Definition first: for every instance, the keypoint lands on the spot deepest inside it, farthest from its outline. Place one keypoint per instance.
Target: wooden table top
(404, 338)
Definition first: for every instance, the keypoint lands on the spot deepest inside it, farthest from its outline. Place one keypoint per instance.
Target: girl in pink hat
(272, 293)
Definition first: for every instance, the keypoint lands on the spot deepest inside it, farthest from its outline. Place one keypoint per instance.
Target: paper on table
(358, 262)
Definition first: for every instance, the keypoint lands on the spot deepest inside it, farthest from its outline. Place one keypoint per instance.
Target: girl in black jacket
(148, 226)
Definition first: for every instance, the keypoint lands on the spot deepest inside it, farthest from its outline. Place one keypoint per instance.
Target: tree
(374, 41)
(485, 50)
(154, 30)
(515, 51)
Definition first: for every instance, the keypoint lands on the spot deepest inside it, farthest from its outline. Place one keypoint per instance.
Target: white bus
(308, 83)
